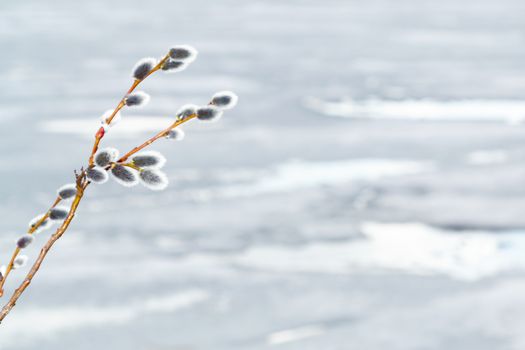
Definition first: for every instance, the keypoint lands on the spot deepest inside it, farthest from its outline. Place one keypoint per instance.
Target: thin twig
(82, 182)
(31, 230)
(81, 186)
(100, 133)
(161, 134)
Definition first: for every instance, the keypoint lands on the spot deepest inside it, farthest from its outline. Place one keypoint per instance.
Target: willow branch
(101, 132)
(86, 176)
(81, 186)
(31, 231)
(161, 134)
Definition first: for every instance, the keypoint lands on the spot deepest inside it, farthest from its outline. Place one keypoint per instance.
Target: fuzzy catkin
(143, 67)
(224, 99)
(209, 113)
(176, 134)
(137, 99)
(124, 175)
(172, 66)
(149, 159)
(67, 191)
(25, 241)
(154, 179)
(58, 213)
(97, 175)
(43, 226)
(20, 261)
(106, 156)
(116, 118)
(187, 111)
(183, 53)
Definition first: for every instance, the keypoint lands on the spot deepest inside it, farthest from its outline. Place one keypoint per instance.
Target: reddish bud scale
(100, 133)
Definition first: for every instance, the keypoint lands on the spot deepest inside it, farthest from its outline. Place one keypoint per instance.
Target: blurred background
(366, 193)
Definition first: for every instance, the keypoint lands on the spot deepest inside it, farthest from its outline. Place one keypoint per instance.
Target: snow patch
(506, 111)
(487, 157)
(297, 175)
(129, 127)
(51, 321)
(410, 247)
(291, 335)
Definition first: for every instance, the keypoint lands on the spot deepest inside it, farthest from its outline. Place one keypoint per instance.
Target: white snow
(412, 248)
(475, 110)
(298, 175)
(295, 334)
(487, 157)
(51, 321)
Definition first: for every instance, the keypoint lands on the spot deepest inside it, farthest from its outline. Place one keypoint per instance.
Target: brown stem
(100, 134)
(31, 230)
(81, 186)
(161, 134)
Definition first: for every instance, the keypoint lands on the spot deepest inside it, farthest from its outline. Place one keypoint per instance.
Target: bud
(209, 113)
(143, 67)
(149, 159)
(171, 66)
(187, 111)
(67, 191)
(184, 53)
(58, 213)
(176, 134)
(97, 175)
(20, 261)
(25, 241)
(106, 156)
(154, 179)
(43, 226)
(104, 118)
(124, 175)
(137, 99)
(224, 99)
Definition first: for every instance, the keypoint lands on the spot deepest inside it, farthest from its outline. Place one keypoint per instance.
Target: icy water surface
(366, 193)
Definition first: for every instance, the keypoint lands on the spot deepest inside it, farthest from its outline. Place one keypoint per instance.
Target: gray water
(284, 226)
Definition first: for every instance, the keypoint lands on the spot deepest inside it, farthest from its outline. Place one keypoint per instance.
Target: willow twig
(81, 186)
(144, 167)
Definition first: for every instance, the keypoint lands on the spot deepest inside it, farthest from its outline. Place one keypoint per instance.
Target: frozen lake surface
(366, 193)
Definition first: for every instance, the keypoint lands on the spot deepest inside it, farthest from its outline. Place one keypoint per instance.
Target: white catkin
(137, 99)
(58, 213)
(67, 191)
(185, 53)
(20, 261)
(225, 99)
(171, 66)
(176, 134)
(25, 241)
(209, 113)
(105, 156)
(149, 159)
(154, 179)
(46, 224)
(125, 176)
(186, 111)
(114, 121)
(97, 175)
(143, 67)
